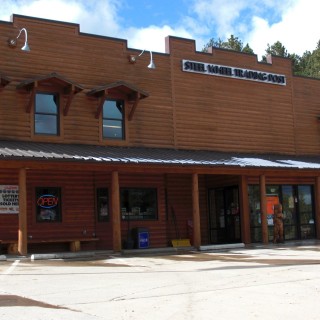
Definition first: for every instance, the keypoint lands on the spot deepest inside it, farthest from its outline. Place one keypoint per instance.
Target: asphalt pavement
(256, 282)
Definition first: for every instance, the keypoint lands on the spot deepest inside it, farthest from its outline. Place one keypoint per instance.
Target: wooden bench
(74, 243)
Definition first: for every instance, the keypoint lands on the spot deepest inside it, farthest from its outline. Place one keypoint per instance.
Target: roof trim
(70, 88)
(131, 92)
(4, 81)
(35, 151)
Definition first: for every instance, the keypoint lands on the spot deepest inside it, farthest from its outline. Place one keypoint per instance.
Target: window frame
(102, 217)
(125, 139)
(122, 120)
(39, 194)
(142, 216)
(48, 137)
(57, 114)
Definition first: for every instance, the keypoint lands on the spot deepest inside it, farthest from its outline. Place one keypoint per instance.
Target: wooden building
(97, 149)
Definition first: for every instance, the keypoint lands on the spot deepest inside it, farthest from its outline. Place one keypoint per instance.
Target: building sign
(232, 72)
(48, 202)
(9, 199)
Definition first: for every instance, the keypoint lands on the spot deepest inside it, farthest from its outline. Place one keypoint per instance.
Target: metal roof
(23, 150)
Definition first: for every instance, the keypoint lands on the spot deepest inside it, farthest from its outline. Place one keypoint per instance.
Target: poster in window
(48, 204)
(103, 204)
(272, 200)
(9, 199)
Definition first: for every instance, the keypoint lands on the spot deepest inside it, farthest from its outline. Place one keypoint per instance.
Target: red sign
(47, 201)
(271, 201)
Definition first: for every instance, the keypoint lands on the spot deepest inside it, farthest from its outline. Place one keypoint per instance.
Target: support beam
(317, 203)
(101, 100)
(22, 232)
(32, 94)
(244, 210)
(196, 211)
(134, 106)
(116, 219)
(71, 93)
(263, 209)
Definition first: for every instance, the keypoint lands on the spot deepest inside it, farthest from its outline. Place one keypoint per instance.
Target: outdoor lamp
(13, 42)
(133, 59)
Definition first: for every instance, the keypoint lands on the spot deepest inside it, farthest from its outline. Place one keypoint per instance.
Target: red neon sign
(47, 201)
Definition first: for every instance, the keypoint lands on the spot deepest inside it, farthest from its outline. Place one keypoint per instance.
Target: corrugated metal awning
(156, 156)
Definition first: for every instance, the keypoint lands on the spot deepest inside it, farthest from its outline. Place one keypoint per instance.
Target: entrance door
(298, 212)
(306, 212)
(289, 207)
(224, 215)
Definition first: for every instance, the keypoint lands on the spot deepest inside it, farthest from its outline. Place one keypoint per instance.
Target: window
(46, 115)
(48, 204)
(102, 204)
(138, 203)
(113, 119)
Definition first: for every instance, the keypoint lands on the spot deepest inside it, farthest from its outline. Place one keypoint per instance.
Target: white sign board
(9, 199)
(232, 72)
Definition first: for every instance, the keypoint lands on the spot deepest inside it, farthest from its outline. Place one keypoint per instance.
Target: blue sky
(146, 23)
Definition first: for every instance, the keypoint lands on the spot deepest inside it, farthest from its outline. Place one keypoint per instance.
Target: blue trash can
(141, 238)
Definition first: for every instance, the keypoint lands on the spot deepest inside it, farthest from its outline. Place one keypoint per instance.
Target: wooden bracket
(71, 95)
(30, 102)
(100, 104)
(134, 106)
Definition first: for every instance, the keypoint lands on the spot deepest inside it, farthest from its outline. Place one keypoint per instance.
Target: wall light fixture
(13, 42)
(133, 59)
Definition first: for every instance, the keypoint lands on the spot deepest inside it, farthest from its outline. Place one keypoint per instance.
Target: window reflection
(46, 114)
(113, 116)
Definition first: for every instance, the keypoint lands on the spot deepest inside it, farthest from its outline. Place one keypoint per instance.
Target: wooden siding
(184, 110)
(306, 102)
(79, 216)
(90, 61)
(220, 113)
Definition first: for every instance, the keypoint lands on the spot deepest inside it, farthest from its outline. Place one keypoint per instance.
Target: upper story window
(113, 119)
(46, 114)
(117, 103)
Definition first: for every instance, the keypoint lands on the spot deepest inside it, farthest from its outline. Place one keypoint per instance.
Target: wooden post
(263, 209)
(317, 203)
(116, 219)
(244, 210)
(22, 233)
(196, 211)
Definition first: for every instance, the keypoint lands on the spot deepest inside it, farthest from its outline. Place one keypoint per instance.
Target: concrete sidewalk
(157, 251)
(256, 282)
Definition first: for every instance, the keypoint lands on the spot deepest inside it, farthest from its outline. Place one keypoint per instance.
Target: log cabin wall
(179, 204)
(306, 108)
(220, 113)
(79, 214)
(90, 61)
(183, 111)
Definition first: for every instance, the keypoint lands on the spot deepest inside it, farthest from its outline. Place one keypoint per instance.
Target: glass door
(224, 215)
(306, 212)
(289, 208)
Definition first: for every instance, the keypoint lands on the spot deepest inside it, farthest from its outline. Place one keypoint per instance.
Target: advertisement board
(9, 199)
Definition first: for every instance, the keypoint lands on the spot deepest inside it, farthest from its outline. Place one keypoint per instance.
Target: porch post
(22, 233)
(317, 203)
(244, 210)
(116, 220)
(263, 209)
(196, 211)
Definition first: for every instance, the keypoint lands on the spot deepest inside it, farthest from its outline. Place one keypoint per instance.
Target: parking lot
(267, 282)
